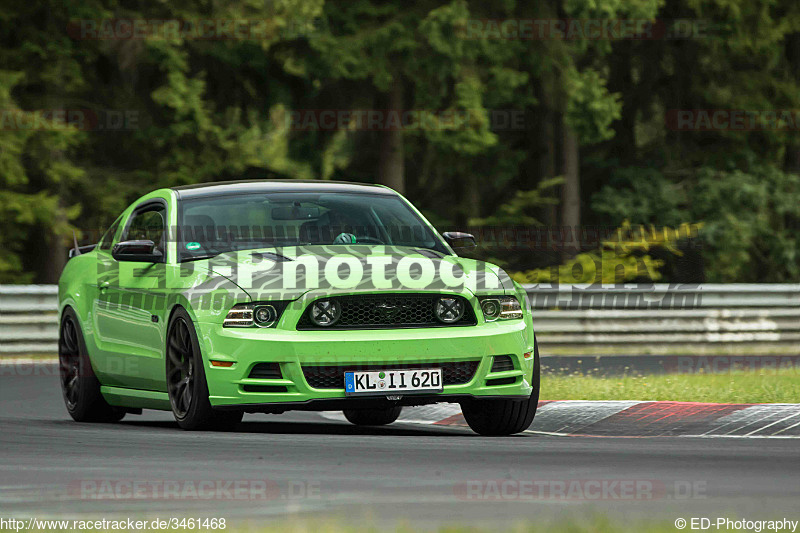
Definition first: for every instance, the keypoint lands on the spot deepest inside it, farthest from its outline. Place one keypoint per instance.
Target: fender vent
(502, 363)
(500, 381)
(266, 371)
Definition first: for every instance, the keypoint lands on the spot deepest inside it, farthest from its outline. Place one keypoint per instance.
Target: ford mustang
(218, 299)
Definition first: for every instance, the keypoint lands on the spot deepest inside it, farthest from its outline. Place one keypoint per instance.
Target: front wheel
(372, 417)
(186, 380)
(504, 417)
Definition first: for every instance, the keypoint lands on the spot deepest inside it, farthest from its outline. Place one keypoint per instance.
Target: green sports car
(268, 296)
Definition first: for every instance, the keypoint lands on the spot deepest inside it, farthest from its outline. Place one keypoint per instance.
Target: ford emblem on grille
(388, 311)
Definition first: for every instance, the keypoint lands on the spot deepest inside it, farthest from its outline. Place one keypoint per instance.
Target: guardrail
(28, 319)
(667, 319)
(660, 319)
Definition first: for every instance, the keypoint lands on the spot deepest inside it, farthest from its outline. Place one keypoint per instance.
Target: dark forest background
(594, 142)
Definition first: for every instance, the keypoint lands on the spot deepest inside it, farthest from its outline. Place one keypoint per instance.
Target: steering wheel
(349, 238)
(368, 239)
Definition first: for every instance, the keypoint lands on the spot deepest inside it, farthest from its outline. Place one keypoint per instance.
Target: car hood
(288, 273)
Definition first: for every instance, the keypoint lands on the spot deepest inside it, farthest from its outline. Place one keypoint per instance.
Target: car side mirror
(144, 251)
(460, 240)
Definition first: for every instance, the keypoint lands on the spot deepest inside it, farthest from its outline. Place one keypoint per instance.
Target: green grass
(31, 356)
(765, 386)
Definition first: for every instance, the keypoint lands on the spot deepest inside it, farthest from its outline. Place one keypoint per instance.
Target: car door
(132, 297)
(104, 311)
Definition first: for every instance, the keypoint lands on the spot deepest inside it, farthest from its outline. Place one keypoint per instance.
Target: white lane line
(546, 433)
(772, 424)
(787, 428)
(551, 434)
(754, 417)
(784, 437)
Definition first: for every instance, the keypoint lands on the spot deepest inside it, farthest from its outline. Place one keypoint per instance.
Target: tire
(79, 385)
(372, 417)
(186, 380)
(504, 417)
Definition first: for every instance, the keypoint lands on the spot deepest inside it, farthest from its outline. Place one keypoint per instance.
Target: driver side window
(148, 224)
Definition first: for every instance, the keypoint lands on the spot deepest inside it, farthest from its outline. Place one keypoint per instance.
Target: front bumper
(291, 349)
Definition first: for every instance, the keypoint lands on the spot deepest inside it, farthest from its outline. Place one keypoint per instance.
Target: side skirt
(137, 399)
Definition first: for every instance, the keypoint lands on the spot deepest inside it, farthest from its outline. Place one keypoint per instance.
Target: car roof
(223, 188)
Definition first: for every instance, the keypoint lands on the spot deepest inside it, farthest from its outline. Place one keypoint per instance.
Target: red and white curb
(635, 419)
(583, 418)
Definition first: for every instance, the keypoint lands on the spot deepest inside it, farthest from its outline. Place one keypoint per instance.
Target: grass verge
(765, 386)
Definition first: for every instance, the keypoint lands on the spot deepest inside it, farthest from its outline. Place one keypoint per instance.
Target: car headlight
(262, 315)
(500, 308)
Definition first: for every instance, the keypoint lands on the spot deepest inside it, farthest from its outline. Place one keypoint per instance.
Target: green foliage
(603, 266)
(30, 163)
(624, 257)
(750, 216)
(218, 109)
(591, 108)
(518, 210)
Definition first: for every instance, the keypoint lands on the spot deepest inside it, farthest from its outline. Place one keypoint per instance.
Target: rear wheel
(372, 417)
(79, 385)
(186, 380)
(504, 417)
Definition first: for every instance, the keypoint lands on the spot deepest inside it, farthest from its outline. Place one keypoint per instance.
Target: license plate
(393, 381)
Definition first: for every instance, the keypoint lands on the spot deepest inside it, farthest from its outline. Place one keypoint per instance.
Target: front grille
(266, 371)
(383, 311)
(502, 363)
(332, 377)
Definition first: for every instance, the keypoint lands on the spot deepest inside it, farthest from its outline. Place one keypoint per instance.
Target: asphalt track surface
(317, 468)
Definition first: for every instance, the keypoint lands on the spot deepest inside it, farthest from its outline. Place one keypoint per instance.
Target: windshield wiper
(199, 257)
(278, 257)
(429, 252)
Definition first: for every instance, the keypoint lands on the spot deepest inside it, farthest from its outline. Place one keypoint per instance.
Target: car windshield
(214, 225)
